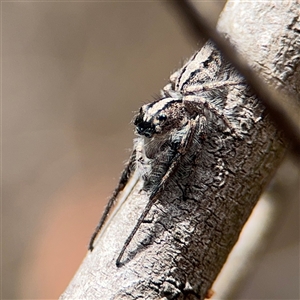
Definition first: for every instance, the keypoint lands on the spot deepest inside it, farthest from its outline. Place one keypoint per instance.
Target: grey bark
(190, 231)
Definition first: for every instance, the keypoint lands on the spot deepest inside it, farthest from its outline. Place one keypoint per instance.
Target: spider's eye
(162, 118)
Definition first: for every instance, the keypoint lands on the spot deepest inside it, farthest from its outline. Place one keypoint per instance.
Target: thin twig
(285, 116)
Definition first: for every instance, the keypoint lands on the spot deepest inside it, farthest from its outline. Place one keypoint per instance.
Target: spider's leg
(198, 107)
(183, 146)
(126, 174)
(198, 88)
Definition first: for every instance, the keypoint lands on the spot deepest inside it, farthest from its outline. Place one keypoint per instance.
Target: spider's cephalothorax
(160, 117)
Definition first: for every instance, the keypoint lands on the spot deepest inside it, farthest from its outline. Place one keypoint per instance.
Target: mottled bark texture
(178, 252)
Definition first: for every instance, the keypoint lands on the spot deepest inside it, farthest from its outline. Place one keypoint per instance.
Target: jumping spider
(165, 129)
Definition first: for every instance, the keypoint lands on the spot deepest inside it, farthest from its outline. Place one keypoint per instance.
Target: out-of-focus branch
(283, 109)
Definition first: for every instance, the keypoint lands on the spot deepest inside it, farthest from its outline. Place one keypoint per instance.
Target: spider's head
(157, 117)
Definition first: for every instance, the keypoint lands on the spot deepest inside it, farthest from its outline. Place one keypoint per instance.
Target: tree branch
(252, 243)
(191, 230)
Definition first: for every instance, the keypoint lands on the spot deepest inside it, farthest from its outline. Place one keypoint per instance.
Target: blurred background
(73, 76)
